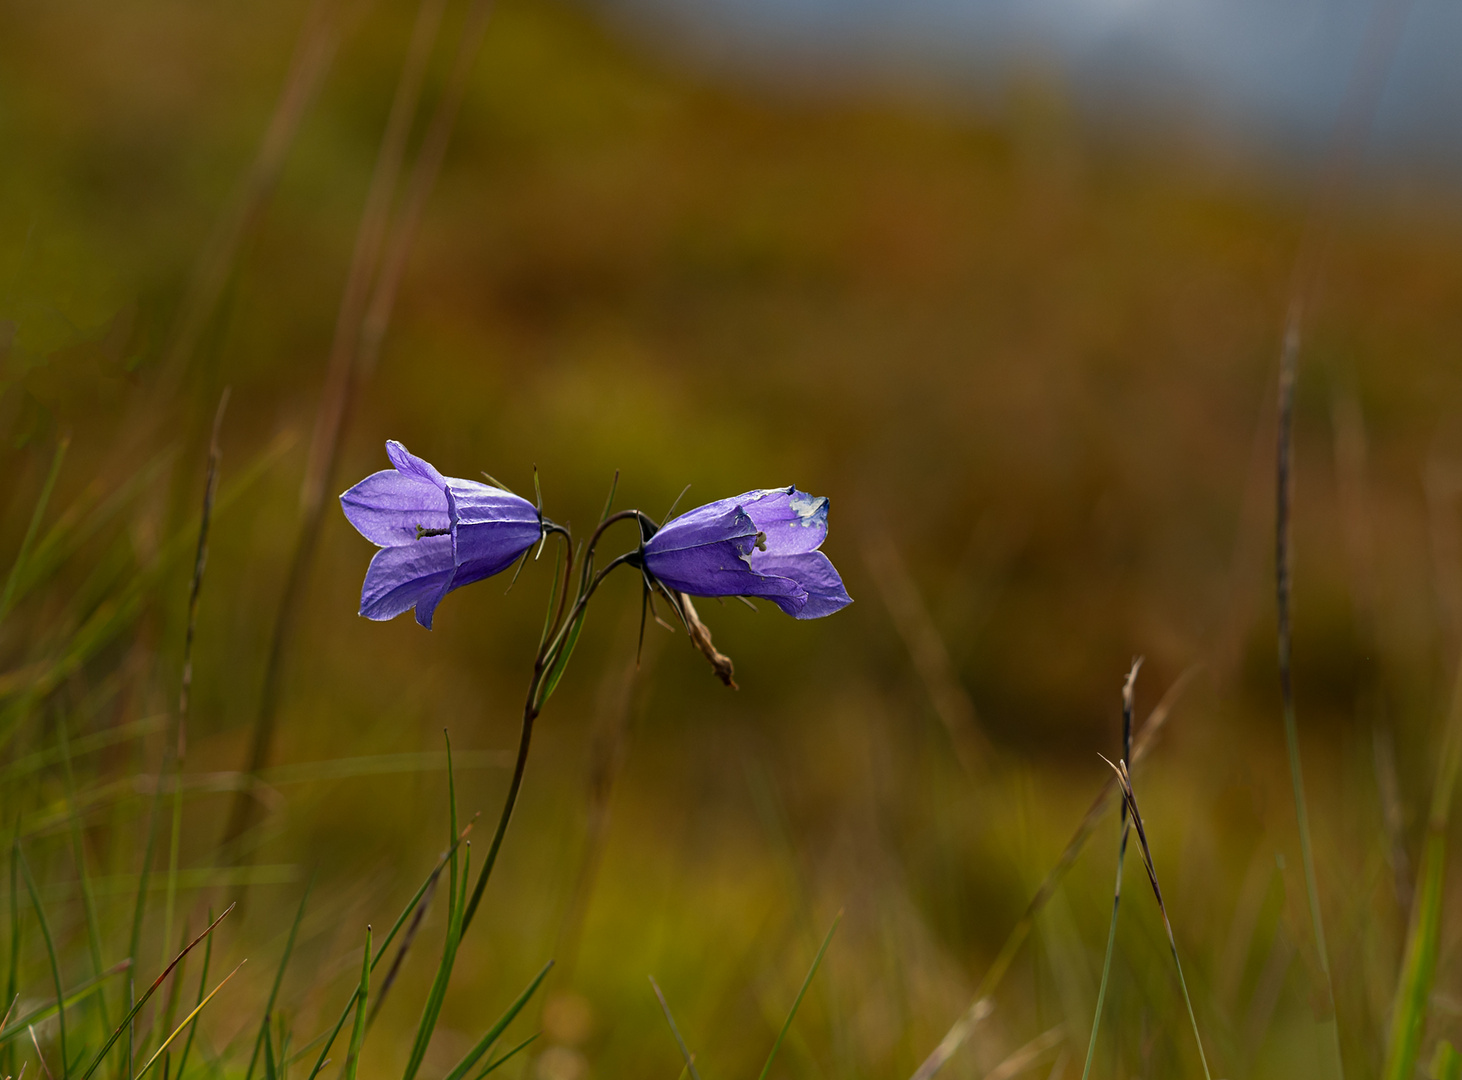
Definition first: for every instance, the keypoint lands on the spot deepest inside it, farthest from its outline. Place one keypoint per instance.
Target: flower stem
(547, 654)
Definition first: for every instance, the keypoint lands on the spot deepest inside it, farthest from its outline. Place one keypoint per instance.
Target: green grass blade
(88, 898)
(7, 596)
(202, 985)
(79, 522)
(800, 993)
(187, 1020)
(1408, 1016)
(457, 905)
(817, 961)
(18, 1026)
(1446, 1063)
(495, 1032)
(278, 980)
(1414, 987)
(139, 907)
(495, 1063)
(380, 952)
(12, 979)
(174, 842)
(126, 1024)
(1096, 1022)
(685, 1053)
(35, 899)
(357, 1037)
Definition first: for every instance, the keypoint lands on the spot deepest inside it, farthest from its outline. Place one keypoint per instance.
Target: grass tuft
(1131, 800)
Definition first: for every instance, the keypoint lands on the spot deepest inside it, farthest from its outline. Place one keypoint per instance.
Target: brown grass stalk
(340, 378)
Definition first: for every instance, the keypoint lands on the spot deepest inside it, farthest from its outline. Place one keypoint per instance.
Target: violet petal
(387, 507)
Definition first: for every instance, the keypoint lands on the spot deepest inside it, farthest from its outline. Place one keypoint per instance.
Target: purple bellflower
(763, 543)
(436, 533)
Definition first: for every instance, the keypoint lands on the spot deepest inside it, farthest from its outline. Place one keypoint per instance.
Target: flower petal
(815, 574)
(490, 527)
(722, 570)
(408, 464)
(386, 507)
(793, 521)
(715, 523)
(400, 578)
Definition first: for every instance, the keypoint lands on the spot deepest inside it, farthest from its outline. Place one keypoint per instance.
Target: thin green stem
(1096, 1022)
(1284, 492)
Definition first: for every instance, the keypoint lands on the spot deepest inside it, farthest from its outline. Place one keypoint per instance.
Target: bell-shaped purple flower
(763, 543)
(436, 533)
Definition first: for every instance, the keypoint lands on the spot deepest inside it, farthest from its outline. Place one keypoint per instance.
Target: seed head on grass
(1130, 799)
(1096, 1023)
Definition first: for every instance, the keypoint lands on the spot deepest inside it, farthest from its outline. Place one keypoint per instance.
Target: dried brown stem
(340, 378)
(700, 637)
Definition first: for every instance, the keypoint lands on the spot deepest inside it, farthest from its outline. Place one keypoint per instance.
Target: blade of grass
(685, 1053)
(357, 1037)
(7, 596)
(79, 522)
(1446, 1063)
(88, 898)
(493, 1033)
(45, 1012)
(1357, 113)
(202, 984)
(170, 1009)
(419, 184)
(1026, 1057)
(341, 374)
(496, 1062)
(983, 1005)
(137, 1006)
(816, 962)
(380, 952)
(116, 611)
(455, 909)
(35, 899)
(1423, 940)
(1096, 1022)
(30, 764)
(192, 1016)
(39, 1056)
(1284, 494)
(1131, 800)
(278, 979)
(410, 936)
(180, 728)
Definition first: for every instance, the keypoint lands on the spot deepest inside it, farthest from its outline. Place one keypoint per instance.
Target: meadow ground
(1030, 358)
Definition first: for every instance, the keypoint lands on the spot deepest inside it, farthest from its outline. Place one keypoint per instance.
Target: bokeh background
(1014, 305)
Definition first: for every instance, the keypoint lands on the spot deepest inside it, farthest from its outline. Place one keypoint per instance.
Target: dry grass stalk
(1128, 693)
(1124, 778)
(983, 1003)
(1027, 1056)
(419, 185)
(926, 647)
(340, 378)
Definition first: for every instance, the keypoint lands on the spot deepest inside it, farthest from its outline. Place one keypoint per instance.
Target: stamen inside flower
(422, 531)
(761, 541)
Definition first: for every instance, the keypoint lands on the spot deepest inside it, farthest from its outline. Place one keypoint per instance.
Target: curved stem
(532, 706)
(525, 739)
(568, 570)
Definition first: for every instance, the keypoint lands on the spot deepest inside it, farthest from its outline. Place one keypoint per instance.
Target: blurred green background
(1029, 356)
